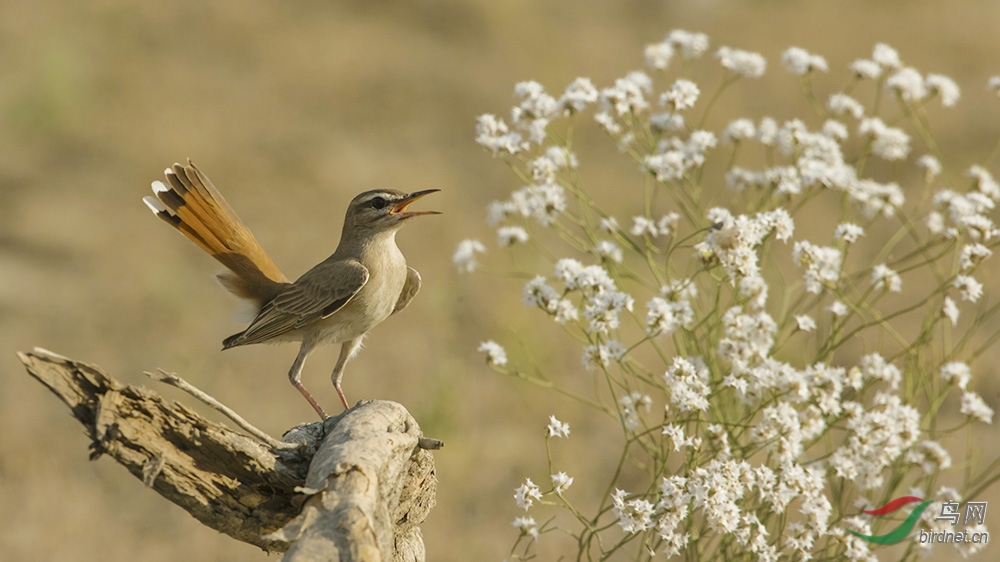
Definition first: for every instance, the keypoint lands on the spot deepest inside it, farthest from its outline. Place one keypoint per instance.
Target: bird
(338, 301)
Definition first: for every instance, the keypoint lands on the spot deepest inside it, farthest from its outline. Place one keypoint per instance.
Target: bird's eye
(378, 203)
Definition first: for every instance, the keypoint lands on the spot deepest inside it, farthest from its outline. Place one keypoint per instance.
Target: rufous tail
(191, 204)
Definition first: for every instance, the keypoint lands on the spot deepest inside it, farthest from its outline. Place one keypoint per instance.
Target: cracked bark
(356, 487)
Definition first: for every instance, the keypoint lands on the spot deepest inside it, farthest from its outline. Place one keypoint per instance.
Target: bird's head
(384, 209)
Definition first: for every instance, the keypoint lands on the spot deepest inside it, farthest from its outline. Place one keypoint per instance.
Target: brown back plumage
(191, 204)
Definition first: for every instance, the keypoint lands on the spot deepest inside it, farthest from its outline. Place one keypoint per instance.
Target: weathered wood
(356, 488)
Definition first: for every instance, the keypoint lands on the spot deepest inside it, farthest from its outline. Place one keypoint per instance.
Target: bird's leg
(347, 351)
(295, 376)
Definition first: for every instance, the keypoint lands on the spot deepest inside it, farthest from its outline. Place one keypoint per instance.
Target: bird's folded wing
(319, 293)
(409, 291)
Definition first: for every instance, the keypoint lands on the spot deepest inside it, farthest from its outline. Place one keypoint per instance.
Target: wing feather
(319, 293)
(409, 291)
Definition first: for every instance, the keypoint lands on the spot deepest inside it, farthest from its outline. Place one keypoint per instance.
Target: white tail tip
(155, 205)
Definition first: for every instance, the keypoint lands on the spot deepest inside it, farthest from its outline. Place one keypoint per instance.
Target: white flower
(932, 166)
(848, 232)
(687, 381)
(879, 433)
(822, 265)
(973, 405)
(746, 340)
(835, 130)
(666, 122)
(740, 179)
(641, 226)
(958, 373)
(634, 515)
(557, 428)
(602, 308)
(944, 87)
(744, 63)
(544, 168)
(679, 289)
(510, 235)
(874, 366)
(667, 225)
(840, 103)
(682, 95)
(767, 131)
(874, 197)
(692, 45)
(970, 289)
(628, 94)
(805, 322)
(799, 61)
(984, 182)
(538, 293)
(602, 354)
(972, 255)
(609, 224)
(575, 276)
(908, 84)
(885, 56)
(950, 311)
(578, 95)
(889, 143)
(543, 202)
(658, 55)
(629, 409)
(676, 435)
(733, 241)
(993, 85)
(867, 69)
(935, 222)
(740, 129)
(754, 288)
(608, 123)
(664, 317)
(526, 493)
(535, 110)
(780, 425)
(967, 211)
(838, 308)
(561, 481)
(527, 526)
(700, 142)
(565, 311)
(492, 133)
(930, 455)
(609, 250)
(785, 179)
(465, 255)
(495, 354)
(669, 165)
(885, 279)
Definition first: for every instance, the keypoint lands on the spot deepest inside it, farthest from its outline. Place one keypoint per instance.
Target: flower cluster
(755, 422)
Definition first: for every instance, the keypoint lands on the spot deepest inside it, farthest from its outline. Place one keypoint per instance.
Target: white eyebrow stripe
(389, 197)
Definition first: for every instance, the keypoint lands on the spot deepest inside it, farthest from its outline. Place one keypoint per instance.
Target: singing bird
(340, 300)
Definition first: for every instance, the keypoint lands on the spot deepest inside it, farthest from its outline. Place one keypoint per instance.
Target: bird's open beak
(400, 211)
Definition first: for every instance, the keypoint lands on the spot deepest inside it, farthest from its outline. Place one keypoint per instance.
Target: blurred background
(291, 109)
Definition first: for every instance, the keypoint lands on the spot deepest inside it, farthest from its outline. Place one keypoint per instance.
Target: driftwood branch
(356, 487)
